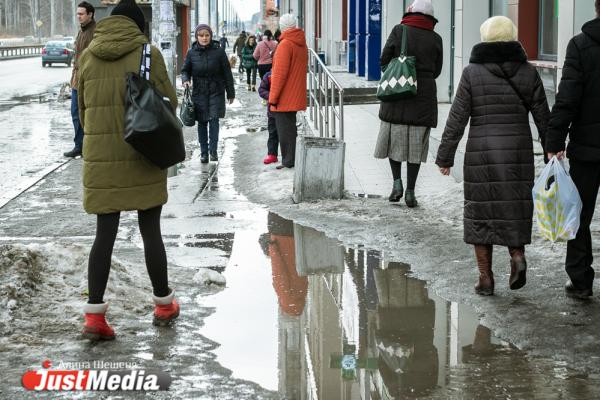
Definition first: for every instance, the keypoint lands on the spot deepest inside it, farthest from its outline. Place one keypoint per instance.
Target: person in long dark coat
(207, 67)
(499, 165)
(406, 123)
(577, 113)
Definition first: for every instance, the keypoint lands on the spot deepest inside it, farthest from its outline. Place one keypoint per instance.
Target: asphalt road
(35, 126)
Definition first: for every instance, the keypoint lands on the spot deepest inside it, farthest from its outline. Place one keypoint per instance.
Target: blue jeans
(208, 129)
(76, 122)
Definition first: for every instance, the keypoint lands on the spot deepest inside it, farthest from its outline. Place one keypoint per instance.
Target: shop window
(548, 39)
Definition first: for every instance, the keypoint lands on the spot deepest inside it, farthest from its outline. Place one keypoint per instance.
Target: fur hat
(287, 21)
(498, 29)
(129, 9)
(421, 6)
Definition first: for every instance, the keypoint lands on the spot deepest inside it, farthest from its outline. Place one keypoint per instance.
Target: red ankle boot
(96, 327)
(269, 159)
(166, 309)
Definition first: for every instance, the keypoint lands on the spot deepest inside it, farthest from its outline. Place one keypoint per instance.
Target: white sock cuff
(164, 300)
(95, 308)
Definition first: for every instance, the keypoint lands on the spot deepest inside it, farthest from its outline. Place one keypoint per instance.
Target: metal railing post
(325, 114)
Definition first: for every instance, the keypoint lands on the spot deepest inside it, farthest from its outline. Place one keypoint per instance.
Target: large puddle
(311, 319)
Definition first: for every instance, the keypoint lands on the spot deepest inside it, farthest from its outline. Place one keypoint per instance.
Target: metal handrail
(325, 113)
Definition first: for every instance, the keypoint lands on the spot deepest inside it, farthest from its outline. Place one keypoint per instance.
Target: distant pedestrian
(207, 67)
(117, 178)
(239, 44)
(406, 123)
(277, 35)
(273, 141)
(576, 113)
(288, 86)
(87, 25)
(497, 91)
(224, 42)
(249, 63)
(264, 53)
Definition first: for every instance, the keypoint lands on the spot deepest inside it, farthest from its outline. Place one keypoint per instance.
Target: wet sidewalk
(366, 175)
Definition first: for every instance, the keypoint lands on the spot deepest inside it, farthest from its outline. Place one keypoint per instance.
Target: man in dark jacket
(85, 16)
(237, 48)
(224, 42)
(576, 113)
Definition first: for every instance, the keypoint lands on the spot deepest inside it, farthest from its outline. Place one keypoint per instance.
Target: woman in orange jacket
(288, 86)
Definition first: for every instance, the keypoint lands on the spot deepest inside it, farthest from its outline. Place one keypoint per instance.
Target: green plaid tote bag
(399, 78)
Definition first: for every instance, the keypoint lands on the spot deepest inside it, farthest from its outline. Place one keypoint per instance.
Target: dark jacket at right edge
(577, 108)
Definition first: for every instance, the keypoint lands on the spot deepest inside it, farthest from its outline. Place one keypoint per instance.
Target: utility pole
(164, 31)
(217, 18)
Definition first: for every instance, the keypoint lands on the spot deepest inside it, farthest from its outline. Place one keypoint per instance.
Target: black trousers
(241, 68)
(263, 69)
(273, 141)
(154, 251)
(578, 265)
(287, 132)
(251, 76)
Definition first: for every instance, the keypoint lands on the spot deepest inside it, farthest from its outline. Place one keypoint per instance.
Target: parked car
(57, 52)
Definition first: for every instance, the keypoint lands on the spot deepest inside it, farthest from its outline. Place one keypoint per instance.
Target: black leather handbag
(187, 114)
(151, 126)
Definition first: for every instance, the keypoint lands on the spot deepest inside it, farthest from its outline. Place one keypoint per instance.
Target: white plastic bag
(556, 203)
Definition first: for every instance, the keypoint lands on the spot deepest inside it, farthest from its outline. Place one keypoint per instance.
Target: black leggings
(101, 253)
(412, 172)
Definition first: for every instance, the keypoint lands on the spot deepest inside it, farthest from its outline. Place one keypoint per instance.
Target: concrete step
(358, 96)
(365, 95)
(361, 99)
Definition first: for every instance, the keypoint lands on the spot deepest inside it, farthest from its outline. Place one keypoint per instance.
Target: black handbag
(187, 114)
(151, 126)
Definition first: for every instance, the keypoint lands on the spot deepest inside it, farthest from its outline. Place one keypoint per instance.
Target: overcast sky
(246, 8)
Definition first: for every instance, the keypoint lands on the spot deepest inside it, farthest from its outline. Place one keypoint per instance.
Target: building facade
(182, 18)
(351, 33)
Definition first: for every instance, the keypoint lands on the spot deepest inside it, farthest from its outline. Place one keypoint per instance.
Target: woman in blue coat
(206, 67)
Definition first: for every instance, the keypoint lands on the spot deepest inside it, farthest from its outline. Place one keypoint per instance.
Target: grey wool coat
(499, 164)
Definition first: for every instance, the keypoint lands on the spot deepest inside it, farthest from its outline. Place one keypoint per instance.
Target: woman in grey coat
(497, 91)
(406, 123)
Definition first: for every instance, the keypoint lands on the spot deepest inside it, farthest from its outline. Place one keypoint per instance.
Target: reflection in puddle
(353, 325)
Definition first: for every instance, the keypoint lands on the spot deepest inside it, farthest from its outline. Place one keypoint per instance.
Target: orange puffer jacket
(288, 79)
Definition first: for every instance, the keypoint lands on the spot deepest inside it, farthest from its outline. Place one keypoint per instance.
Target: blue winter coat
(210, 73)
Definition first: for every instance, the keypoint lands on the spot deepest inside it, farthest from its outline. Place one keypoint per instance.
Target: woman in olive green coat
(115, 177)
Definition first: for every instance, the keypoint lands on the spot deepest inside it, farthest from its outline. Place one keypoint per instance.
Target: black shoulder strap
(517, 91)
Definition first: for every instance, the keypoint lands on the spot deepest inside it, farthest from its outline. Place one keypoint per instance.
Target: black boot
(576, 293)
(518, 268)
(76, 152)
(397, 191)
(204, 158)
(214, 157)
(410, 199)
